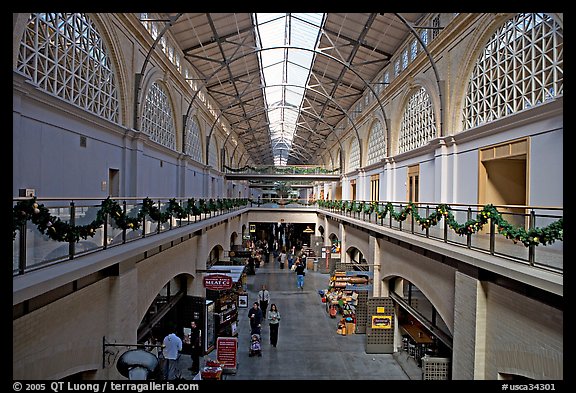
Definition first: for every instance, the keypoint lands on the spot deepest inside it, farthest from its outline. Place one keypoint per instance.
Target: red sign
(217, 282)
(226, 349)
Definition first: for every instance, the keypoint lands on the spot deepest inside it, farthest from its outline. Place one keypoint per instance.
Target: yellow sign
(379, 310)
(252, 228)
(381, 321)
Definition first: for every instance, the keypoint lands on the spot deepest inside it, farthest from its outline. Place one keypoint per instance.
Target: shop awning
(235, 271)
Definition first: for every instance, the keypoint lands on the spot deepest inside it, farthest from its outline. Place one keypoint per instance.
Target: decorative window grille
(193, 141)
(436, 24)
(354, 158)
(376, 143)
(153, 30)
(65, 55)
(397, 68)
(157, 121)
(413, 49)
(424, 37)
(213, 154)
(404, 59)
(386, 78)
(520, 67)
(176, 61)
(418, 126)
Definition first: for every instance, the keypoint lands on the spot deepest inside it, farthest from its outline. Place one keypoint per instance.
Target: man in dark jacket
(255, 317)
(196, 346)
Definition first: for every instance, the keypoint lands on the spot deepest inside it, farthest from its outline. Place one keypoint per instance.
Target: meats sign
(217, 282)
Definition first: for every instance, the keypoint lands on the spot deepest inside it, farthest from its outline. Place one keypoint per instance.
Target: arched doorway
(215, 256)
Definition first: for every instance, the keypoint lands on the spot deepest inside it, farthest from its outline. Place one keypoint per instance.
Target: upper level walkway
(282, 173)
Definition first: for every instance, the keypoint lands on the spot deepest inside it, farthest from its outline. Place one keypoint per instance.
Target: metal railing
(488, 239)
(34, 248)
(283, 170)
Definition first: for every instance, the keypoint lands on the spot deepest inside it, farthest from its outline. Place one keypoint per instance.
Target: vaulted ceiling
(285, 82)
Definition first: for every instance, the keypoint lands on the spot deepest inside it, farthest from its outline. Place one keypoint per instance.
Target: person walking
(282, 258)
(255, 317)
(274, 318)
(264, 299)
(172, 347)
(291, 256)
(196, 347)
(300, 273)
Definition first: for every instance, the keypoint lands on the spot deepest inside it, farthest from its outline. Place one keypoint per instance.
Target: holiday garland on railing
(283, 170)
(534, 236)
(56, 229)
(283, 202)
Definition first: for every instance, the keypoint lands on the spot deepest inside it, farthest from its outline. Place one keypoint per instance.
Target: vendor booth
(223, 287)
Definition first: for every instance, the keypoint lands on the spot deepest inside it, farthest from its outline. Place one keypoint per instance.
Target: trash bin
(315, 264)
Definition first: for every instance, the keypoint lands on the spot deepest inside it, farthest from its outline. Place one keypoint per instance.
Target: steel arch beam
(317, 52)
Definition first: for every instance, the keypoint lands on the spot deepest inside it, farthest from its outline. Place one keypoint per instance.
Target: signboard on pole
(217, 282)
(226, 351)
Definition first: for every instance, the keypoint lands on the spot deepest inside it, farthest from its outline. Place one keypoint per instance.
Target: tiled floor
(308, 346)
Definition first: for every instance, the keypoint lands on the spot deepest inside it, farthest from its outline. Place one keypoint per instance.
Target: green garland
(56, 229)
(531, 237)
(283, 170)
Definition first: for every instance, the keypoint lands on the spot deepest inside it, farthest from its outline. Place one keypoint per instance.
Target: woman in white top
(274, 318)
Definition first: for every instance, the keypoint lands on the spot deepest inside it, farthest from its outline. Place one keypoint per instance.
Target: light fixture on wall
(308, 229)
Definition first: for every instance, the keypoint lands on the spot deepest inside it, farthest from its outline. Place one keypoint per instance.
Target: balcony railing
(283, 170)
(51, 230)
(528, 234)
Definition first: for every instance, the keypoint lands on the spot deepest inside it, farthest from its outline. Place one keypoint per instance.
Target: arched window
(418, 126)
(157, 120)
(376, 143)
(520, 67)
(213, 153)
(65, 55)
(354, 157)
(193, 139)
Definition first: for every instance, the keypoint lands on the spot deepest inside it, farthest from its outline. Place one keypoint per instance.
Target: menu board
(226, 350)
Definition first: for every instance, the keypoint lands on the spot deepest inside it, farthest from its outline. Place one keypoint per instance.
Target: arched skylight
(285, 71)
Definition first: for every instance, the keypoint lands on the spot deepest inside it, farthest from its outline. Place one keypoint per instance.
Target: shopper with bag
(300, 273)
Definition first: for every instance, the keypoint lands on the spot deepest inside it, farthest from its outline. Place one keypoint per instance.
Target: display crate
(434, 368)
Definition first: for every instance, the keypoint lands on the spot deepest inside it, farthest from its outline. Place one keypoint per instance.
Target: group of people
(258, 313)
(171, 348)
(172, 344)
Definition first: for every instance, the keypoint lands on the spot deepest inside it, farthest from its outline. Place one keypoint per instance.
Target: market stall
(346, 297)
(223, 287)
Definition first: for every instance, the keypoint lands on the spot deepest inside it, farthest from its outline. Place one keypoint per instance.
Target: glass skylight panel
(287, 67)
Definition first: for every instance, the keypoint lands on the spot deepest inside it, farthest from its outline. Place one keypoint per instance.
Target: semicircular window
(64, 54)
(418, 126)
(520, 67)
(157, 119)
